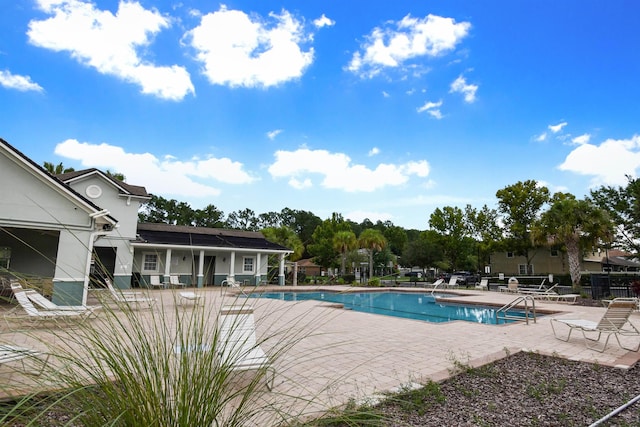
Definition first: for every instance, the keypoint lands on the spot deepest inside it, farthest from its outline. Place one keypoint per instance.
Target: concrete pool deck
(342, 354)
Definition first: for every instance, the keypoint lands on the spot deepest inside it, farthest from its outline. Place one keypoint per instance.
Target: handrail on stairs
(502, 312)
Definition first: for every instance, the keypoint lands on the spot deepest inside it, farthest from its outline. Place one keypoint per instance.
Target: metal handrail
(502, 312)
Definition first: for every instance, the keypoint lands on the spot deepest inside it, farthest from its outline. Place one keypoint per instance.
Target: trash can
(600, 286)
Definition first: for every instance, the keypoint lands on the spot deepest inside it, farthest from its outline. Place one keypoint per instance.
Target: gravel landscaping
(524, 389)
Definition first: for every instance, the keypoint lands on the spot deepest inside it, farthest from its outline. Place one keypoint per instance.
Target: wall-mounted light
(224, 259)
(184, 258)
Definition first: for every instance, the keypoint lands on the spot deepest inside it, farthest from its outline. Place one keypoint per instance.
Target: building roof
(52, 179)
(167, 234)
(128, 189)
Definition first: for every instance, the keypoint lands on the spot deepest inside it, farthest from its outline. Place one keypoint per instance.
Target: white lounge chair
(35, 314)
(186, 297)
(453, 282)
(612, 323)
(128, 296)
(237, 342)
(12, 353)
(483, 285)
(156, 283)
(233, 283)
(40, 300)
(175, 282)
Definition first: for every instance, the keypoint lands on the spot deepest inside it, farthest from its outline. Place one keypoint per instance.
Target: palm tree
(576, 225)
(372, 240)
(56, 169)
(343, 242)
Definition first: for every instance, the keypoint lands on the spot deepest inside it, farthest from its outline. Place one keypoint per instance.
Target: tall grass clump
(156, 366)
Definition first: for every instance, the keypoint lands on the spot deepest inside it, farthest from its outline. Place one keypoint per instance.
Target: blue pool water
(417, 306)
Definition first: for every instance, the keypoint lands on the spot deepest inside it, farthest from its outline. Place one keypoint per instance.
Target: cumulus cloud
(338, 172)
(18, 82)
(110, 43)
(432, 108)
(460, 85)
(399, 41)
(608, 163)
(241, 50)
(557, 128)
(272, 134)
(374, 151)
(582, 139)
(323, 21)
(160, 176)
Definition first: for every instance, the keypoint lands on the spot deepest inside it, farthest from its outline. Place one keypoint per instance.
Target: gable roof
(126, 189)
(188, 236)
(56, 183)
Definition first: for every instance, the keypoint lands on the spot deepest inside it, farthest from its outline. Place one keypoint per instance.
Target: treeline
(527, 216)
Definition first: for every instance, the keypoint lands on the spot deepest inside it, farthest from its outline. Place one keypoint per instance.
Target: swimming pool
(417, 306)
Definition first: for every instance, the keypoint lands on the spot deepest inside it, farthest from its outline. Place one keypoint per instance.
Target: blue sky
(380, 110)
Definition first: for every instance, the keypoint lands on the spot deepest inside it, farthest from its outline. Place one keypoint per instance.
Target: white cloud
(18, 82)
(111, 43)
(300, 185)
(385, 94)
(272, 134)
(607, 163)
(406, 39)
(241, 50)
(542, 137)
(338, 172)
(557, 128)
(167, 176)
(323, 21)
(432, 108)
(460, 85)
(582, 139)
(374, 151)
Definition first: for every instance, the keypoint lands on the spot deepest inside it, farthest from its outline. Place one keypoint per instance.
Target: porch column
(258, 269)
(167, 266)
(232, 265)
(281, 271)
(201, 269)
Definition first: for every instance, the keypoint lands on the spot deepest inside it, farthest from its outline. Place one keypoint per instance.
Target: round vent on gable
(93, 191)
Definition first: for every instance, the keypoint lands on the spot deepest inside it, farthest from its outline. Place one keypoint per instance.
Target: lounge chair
(453, 282)
(233, 283)
(186, 297)
(156, 283)
(40, 300)
(128, 296)
(237, 342)
(12, 353)
(35, 314)
(483, 285)
(175, 282)
(612, 323)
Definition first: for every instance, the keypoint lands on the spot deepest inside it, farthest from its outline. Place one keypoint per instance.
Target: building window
(150, 263)
(247, 263)
(524, 269)
(554, 253)
(509, 254)
(5, 257)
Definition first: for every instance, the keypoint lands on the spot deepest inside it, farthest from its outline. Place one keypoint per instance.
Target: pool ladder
(503, 312)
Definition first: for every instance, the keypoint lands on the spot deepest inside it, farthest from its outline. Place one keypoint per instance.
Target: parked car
(465, 278)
